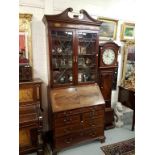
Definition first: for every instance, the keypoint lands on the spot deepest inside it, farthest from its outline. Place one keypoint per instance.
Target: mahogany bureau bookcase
(30, 117)
(76, 105)
(77, 115)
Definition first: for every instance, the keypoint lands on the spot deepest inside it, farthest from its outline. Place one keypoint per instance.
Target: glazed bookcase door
(62, 57)
(86, 56)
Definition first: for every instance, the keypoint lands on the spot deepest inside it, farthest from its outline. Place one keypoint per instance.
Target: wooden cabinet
(30, 117)
(73, 48)
(77, 115)
(108, 64)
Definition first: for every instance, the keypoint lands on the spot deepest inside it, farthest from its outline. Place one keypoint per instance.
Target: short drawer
(94, 133)
(28, 109)
(68, 129)
(68, 113)
(28, 120)
(59, 122)
(65, 141)
(93, 114)
(89, 123)
(93, 108)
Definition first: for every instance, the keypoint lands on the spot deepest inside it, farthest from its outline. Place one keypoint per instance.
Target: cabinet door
(86, 56)
(61, 57)
(28, 139)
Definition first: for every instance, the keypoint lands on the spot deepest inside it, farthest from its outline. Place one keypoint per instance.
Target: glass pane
(62, 54)
(87, 57)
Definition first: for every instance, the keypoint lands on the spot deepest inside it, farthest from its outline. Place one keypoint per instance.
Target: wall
(117, 9)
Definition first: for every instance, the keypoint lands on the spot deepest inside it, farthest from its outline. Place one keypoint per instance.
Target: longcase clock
(108, 53)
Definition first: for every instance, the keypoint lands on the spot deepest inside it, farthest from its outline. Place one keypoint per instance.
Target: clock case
(103, 47)
(106, 79)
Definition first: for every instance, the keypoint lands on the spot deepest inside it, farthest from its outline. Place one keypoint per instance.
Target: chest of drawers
(30, 117)
(77, 115)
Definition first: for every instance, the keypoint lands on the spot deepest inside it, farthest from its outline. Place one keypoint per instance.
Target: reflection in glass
(62, 54)
(86, 57)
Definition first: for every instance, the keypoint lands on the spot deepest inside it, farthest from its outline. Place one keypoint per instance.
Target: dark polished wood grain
(77, 122)
(76, 105)
(108, 45)
(30, 117)
(76, 27)
(127, 98)
(105, 80)
(81, 96)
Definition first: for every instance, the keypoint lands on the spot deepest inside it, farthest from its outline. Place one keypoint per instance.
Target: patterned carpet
(126, 147)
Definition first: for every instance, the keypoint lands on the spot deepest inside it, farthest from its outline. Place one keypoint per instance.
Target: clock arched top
(111, 48)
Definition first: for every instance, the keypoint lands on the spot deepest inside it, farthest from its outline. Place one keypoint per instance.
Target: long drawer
(87, 123)
(77, 111)
(74, 119)
(93, 114)
(71, 139)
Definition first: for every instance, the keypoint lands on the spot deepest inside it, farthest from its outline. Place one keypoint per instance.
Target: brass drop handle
(67, 120)
(92, 113)
(92, 124)
(68, 140)
(92, 134)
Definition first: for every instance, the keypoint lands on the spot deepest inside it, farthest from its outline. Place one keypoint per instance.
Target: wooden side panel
(30, 117)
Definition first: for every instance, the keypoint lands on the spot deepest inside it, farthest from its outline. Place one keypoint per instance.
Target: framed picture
(128, 32)
(128, 70)
(108, 29)
(25, 39)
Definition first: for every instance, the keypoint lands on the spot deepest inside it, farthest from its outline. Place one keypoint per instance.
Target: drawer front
(68, 113)
(24, 137)
(27, 137)
(29, 93)
(68, 129)
(77, 111)
(92, 133)
(89, 123)
(93, 108)
(60, 122)
(71, 139)
(93, 114)
(28, 109)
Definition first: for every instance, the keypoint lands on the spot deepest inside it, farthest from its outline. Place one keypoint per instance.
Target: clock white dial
(108, 56)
